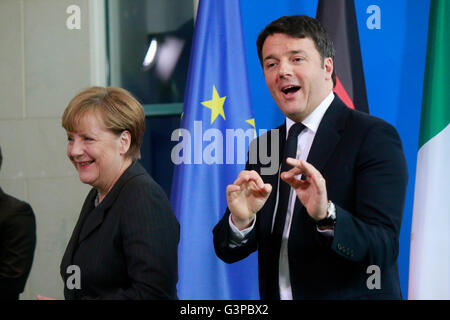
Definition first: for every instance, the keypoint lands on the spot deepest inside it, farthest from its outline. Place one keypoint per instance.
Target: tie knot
(295, 130)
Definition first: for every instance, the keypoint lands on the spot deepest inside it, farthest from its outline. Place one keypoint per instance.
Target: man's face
(296, 75)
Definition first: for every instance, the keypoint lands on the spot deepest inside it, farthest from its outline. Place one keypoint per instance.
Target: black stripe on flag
(339, 19)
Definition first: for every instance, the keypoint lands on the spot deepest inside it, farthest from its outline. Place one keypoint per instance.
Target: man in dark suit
(17, 244)
(327, 224)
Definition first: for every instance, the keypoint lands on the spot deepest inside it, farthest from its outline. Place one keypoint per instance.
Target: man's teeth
(85, 163)
(290, 88)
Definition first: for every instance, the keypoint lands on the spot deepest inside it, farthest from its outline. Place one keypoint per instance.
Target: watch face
(331, 210)
(331, 219)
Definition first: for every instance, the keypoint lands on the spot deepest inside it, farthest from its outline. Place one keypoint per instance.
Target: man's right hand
(246, 196)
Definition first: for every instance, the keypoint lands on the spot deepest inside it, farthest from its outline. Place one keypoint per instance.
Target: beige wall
(43, 65)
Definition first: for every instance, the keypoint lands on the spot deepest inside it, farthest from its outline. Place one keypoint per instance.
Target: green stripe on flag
(429, 276)
(436, 93)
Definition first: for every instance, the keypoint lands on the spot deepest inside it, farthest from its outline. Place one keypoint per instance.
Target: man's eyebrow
(297, 51)
(290, 53)
(269, 57)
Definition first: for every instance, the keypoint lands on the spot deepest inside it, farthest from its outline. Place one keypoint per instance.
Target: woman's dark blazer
(126, 247)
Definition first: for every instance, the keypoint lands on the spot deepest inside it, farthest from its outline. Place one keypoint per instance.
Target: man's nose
(285, 70)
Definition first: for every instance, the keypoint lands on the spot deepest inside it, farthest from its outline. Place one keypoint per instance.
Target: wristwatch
(330, 220)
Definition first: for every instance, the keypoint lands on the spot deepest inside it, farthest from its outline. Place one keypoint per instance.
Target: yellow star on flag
(252, 123)
(216, 105)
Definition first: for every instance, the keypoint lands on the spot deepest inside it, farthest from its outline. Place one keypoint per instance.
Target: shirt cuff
(326, 233)
(237, 237)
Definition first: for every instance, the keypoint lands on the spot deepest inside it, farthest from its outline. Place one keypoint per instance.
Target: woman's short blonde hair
(119, 109)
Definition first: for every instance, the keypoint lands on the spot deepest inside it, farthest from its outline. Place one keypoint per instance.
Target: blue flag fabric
(208, 155)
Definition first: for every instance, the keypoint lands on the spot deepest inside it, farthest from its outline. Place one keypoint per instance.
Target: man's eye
(70, 139)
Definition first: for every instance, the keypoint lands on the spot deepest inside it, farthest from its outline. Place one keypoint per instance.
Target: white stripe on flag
(429, 276)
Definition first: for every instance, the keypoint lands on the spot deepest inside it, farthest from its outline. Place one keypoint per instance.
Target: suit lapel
(269, 209)
(328, 135)
(92, 221)
(326, 139)
(97, 215)
(88, 206)
(92, 217)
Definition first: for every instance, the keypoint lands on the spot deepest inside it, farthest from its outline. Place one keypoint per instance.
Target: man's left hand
(312, 192)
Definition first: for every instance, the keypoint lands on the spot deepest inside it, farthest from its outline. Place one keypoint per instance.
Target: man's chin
(294, 112)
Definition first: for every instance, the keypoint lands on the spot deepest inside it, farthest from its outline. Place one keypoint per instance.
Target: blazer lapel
(327, 137)
(88, 206)
(269, 208)
(97, 215)
(328, 134)
(92, 221)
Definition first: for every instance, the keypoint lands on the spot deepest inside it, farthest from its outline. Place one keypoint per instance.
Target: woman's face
(97, 154)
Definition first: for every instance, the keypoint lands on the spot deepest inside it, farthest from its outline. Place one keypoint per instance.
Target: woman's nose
(75, 148)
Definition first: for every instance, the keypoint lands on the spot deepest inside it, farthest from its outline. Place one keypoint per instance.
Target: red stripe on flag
(342, 94)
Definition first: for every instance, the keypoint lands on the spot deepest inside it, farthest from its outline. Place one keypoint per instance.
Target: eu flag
(216, 128)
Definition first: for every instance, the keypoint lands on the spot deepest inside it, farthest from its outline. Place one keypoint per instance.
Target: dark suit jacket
(362, 161)
(17, 244)
(126, 247)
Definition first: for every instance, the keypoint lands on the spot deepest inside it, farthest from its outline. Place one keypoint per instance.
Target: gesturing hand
(311, 192)
(246, 196)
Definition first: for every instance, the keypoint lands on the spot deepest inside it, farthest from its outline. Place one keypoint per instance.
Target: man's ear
(329, 67)
(125, 142)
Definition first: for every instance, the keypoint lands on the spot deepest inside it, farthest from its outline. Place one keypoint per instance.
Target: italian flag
(429, 274)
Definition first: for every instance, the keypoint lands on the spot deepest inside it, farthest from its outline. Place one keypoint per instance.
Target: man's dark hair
(299, 26)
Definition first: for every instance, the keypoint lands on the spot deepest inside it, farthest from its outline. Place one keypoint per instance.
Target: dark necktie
(290, 151)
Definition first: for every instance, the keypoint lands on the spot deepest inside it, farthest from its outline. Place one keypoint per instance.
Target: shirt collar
(312, 121)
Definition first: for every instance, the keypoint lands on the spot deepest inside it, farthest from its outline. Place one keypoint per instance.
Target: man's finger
(304, 168)
(319, 181)
(266, 189)
(292, 172)
(292, 180)
(232, 188)
(246, 176)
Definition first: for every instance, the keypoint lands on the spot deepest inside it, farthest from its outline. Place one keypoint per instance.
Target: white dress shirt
(304, 142)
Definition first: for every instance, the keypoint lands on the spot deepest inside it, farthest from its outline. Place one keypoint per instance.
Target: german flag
(339, 19)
